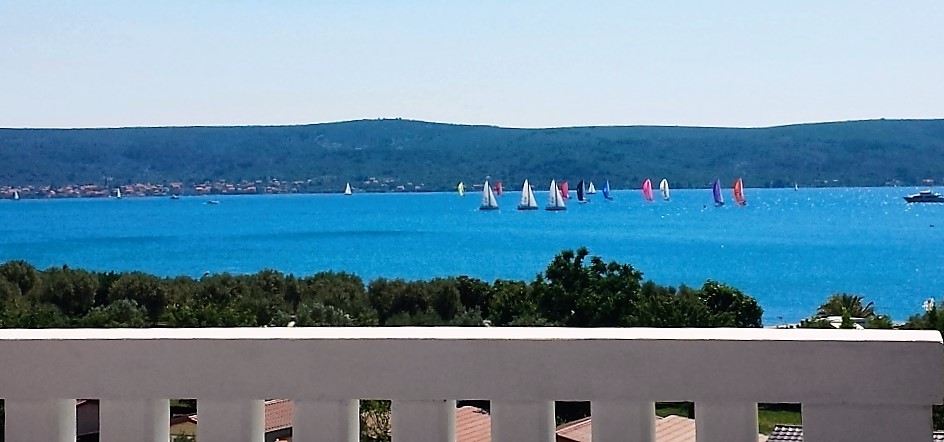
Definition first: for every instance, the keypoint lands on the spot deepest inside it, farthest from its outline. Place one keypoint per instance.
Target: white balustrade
(854, 384)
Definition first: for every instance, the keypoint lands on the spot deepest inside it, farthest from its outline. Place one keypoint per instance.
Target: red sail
(647, 190)
(497, 188)
(739, 192)
(564, 190)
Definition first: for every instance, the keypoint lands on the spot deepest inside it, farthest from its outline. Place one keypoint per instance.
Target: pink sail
(647, 190)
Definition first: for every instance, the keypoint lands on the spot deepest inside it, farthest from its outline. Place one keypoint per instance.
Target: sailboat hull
(555, 208)
(488, 208)
(527, 208)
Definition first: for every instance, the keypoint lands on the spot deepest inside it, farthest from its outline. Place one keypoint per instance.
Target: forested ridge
(436, 156)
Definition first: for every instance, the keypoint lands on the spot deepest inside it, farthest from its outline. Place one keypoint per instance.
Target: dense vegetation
(575, 290)
(438, 155)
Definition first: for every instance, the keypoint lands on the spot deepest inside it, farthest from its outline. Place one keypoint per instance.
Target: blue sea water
(789, 249)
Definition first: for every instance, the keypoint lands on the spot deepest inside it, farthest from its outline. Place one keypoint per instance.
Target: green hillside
(858, 153)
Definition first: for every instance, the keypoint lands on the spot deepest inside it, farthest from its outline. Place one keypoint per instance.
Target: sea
(789, 249)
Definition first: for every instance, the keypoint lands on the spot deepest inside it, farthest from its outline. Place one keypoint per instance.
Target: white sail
(347, 189)
(555, 200)
(118, 192)
(591, 189)
(527, 196)
(664, 187)
(16, 194)
(488, 198)
(461, 188)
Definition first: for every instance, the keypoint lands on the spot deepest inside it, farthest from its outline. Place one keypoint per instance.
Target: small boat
(590, 189)
(716, 191)
(565, 192)
(555, 200)
(664, 187)
(580, 195)
(461, 188)
(488, 198)
(213, 202)
(16, 195)
(497, 188)
(925, 196)
(527, 198)
(347, 189)
(796, 188)
(606, 191)
(739, 192)
(647, 190)
(175, 197)
(118, 193)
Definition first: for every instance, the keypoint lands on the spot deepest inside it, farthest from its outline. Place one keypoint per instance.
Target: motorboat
(925, 196)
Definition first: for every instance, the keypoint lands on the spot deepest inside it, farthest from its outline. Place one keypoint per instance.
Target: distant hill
(855, 153)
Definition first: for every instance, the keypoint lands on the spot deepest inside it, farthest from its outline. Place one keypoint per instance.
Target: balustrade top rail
(722, 365)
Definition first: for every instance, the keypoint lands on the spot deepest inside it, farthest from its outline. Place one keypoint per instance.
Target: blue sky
(103, 63)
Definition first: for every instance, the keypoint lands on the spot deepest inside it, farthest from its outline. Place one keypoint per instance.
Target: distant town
(269, 187)
(219, 187)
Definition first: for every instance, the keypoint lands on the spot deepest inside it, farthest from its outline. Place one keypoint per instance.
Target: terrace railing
(854, 385)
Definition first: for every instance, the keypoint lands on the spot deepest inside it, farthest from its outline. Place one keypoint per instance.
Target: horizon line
(808, 123)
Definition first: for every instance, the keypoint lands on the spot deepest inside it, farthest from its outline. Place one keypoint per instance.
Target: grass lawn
(767, 415)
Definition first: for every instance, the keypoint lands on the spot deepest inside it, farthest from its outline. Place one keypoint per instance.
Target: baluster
(628, 421)
(326, 421)
(40, 420)
(725, 422)
(514, 421)
(433, 421)
(146, 420)
(230, 420)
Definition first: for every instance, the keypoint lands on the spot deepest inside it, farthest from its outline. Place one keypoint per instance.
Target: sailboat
(488, 199)
(739, 192)
(590, 189)
(716, 191)
(580, 197)
(647, 190)
(498, 188)
(606, 191)
(461, 188)
(796, 188)
(527, 198)
(565, 192)
(16, 195)
(555, 200)
(118, 193)
(664, 187)
(347, 189)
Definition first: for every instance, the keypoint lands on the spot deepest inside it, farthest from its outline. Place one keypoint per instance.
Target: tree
(73, 291)
(575, 294)
(144, 290)
(843, 303)
(21, 274)
(121, 313)
(730, 307)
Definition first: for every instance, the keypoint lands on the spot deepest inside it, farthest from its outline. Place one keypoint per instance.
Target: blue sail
(606, 190)
(716, 190)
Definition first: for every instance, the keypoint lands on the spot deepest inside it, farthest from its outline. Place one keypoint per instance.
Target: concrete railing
(854, 385)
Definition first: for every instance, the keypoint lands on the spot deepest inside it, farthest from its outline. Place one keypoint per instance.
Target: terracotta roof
(794, 433)
(278, 414)
(473, 425)
(668, 429)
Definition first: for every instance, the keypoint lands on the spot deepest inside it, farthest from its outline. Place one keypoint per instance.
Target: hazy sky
(520, 63)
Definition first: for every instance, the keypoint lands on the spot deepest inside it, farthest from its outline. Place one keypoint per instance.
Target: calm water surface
(789, 249)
